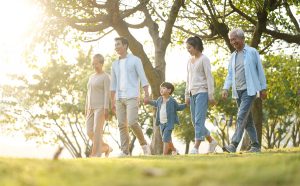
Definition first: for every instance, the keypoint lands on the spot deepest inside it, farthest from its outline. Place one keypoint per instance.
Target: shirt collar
(246, 47)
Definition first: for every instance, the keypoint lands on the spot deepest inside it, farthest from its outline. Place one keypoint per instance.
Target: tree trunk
(187, 147)
(246, 142)
(258, 118)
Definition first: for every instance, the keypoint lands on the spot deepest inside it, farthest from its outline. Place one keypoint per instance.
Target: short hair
(196, 42)
(238, 32)
(123, 40)
(99, 57)
(168, 86)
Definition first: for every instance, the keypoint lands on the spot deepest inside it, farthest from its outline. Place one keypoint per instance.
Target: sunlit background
(20, 20)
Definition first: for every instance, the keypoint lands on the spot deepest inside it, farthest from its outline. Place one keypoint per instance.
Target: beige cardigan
(199, 78)
(98, 91)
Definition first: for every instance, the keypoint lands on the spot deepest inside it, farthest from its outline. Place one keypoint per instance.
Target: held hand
(224, 94)
(146, 100)
(187, 101)
(263, 94)
(106, 114)
(113, 108)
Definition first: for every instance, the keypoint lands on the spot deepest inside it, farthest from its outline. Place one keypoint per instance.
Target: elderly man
(246, 76)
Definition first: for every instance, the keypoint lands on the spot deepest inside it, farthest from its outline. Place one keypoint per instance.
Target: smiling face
(120, 48)
(97, 64)
(164, 91)
(237, 42)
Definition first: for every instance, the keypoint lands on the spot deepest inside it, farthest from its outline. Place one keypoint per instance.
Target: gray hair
(99, 57)
(238, 32)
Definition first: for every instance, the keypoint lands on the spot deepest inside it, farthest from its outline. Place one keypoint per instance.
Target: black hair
(168, 86)
(123, 40)
(196, 42)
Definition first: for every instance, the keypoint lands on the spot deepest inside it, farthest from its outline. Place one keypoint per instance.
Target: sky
(18, 19)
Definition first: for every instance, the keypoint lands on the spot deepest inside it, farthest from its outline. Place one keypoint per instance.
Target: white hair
(238, 32)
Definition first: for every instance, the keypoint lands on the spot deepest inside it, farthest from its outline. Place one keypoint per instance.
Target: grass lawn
(277, 167)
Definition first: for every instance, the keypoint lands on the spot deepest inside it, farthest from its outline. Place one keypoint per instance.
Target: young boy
(166, 115)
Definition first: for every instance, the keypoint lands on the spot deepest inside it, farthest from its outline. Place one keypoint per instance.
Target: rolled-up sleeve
(260, 71)
(141, 73)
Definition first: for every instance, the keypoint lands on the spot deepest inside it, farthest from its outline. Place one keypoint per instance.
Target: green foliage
(282, 106)
(276, 168)
(51, 103)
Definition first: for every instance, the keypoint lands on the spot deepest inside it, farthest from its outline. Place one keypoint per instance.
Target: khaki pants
(94, 126)
(127, 114)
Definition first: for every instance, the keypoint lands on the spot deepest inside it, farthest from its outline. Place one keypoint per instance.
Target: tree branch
(241, 13)
(100, 37)
(73, 133)
(290, 14)
(139, 7)
(95, 4)
(283, 36)
(262, 51)
(137, 26)
(166, 37)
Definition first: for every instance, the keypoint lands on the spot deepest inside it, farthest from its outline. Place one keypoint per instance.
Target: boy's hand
(146, 100)
(263, 94)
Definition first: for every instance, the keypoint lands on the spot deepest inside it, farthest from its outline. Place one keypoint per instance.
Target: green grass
(278, 167)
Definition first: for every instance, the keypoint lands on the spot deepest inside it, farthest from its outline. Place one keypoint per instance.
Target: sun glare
(17, 19)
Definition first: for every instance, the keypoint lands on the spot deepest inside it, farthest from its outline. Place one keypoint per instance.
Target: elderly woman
(97, 104)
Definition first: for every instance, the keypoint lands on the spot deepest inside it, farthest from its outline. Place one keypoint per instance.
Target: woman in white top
(199, 90)
(97, 104)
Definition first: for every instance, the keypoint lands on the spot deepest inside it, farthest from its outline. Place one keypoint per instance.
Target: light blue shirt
(254, 73)
(135, 75)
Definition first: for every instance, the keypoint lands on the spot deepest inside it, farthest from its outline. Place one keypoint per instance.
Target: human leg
(200, 111)
(251, 130)
(123, 126)
(99, 120)
(244, 108)
(132, 116)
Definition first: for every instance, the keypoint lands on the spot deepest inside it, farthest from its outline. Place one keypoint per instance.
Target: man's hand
(146, 99)
(187, 101)
(224, 94)
(113, 107)
(263, 94)
(106, 114)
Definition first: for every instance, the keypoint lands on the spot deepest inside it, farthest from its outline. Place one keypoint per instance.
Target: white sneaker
(194, 151)
(122, 154)
(212, 146)
(146, 150)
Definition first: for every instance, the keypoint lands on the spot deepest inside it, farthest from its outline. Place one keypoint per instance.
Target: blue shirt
(172, 107)
(135, 75)
(254, 73)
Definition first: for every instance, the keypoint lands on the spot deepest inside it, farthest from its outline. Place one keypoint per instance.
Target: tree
(101, 17)
(51, 104)
(268, 24)
(282, 106)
